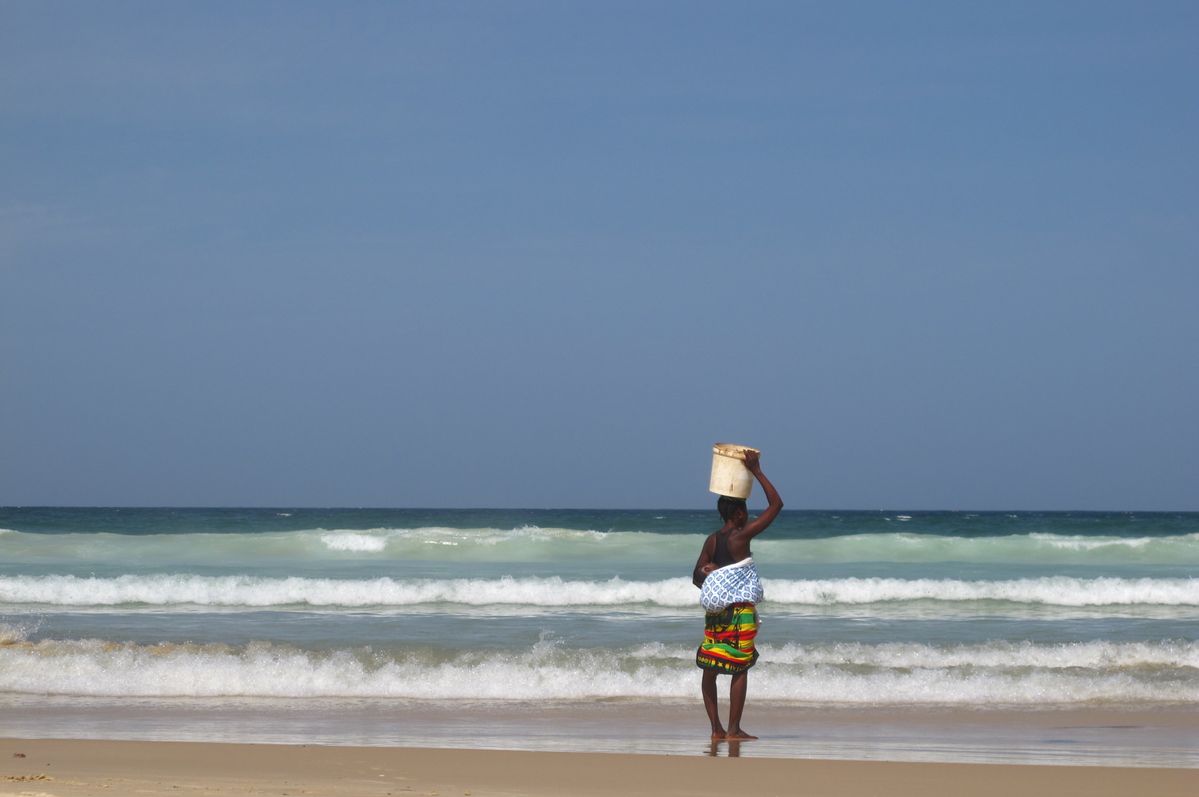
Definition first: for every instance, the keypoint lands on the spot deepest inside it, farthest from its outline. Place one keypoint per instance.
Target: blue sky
(544, 254)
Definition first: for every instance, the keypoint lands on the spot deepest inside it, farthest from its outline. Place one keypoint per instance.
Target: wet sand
(1091, 736)
(72, 768)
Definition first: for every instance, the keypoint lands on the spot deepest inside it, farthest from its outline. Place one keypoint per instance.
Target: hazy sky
(934, 255)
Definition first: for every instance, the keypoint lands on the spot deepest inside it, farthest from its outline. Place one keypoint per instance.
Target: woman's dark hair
(727, 507)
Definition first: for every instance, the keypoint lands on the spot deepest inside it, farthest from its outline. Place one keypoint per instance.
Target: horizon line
(565, 508)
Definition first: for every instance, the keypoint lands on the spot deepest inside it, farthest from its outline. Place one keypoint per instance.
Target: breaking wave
(256, 591)
(991, 673)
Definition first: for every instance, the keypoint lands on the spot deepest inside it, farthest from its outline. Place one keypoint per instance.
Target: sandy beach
(72, 768)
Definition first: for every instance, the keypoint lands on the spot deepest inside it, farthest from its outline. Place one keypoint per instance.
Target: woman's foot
(739, 735)
(718, 734)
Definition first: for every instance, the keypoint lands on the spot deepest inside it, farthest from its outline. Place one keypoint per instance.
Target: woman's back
(730, 547)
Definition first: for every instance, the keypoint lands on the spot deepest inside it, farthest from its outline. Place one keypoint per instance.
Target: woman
(730, 590)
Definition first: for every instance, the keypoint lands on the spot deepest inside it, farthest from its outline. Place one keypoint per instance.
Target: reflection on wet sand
(734, 748)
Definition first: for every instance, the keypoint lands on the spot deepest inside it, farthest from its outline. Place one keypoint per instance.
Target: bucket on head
(729, 475)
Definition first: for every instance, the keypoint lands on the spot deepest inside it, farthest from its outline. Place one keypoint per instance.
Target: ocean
(576, 629)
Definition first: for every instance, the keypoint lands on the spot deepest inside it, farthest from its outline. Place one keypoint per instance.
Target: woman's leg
(709, 690)
(737, 705)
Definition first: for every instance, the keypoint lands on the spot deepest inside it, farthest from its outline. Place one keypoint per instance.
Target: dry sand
(34, 768)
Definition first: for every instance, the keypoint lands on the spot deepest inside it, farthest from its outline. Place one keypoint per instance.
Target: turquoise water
(862, 608)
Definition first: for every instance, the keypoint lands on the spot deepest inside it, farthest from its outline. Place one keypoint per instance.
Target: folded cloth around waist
(735, 583)
(729, 640)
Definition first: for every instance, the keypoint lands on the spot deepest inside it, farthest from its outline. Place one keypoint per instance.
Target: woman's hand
(751, 461)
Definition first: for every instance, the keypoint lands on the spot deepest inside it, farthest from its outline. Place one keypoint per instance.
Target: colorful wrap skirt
(728, 645)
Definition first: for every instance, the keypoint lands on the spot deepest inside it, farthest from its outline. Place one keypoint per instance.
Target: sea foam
(257, 591)
(350, 541)
(919, 675)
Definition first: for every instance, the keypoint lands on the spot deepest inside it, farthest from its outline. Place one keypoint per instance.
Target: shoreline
(82, 768)
(1092, 736)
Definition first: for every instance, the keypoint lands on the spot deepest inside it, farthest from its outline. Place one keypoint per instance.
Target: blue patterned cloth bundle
(735, 583)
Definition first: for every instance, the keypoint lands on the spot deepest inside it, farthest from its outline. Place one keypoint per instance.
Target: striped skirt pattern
(729, 634)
